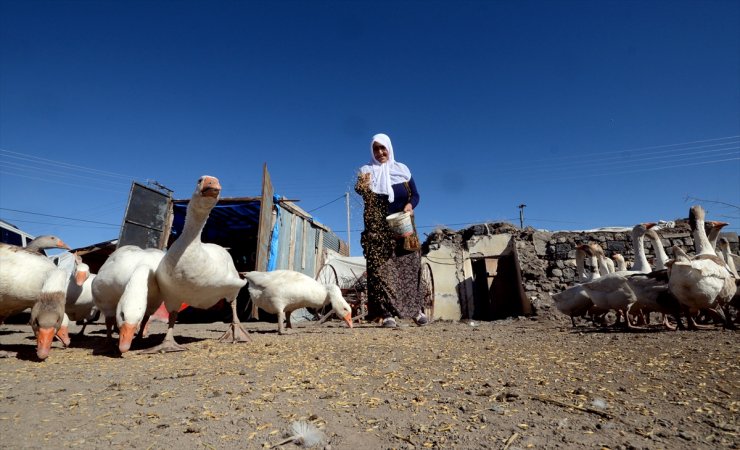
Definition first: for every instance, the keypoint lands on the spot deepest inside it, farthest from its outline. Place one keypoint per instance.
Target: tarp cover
(225, 223)
(349, 269)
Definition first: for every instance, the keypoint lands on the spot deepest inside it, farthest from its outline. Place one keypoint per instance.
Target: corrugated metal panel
(331, 241)
(309, 255)
(298, 244)
(286, 219)
(265, 226)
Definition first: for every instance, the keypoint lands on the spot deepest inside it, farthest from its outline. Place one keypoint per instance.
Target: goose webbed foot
(235, 333)
(667, 323)
(167, 346)
(693, 326)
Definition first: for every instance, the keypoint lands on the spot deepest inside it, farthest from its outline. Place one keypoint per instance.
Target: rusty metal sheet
(264, 232)
(147, 218)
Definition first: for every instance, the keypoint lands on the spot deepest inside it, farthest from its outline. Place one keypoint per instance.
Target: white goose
(197, 273)
(724, 249)
(28, 279)
(283, 291)
(79, 301)
(574, 301)
(621, 264)
(41, 243)
(613, 290)
(661, 258)
(704, 281)
(126, 291)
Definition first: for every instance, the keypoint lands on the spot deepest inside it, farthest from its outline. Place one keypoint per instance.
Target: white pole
(346, 197)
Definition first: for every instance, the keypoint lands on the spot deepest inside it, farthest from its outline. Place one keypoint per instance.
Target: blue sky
(590, 113)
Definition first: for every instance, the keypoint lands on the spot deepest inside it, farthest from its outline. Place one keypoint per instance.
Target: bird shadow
(618, 330)
(9, 332)
(23, 352)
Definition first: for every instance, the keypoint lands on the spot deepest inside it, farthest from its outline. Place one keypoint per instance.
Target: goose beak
(211, 187)
(125, 336)
(62, 245)
(649, 225)
(348, 319)
(80, 278)
(44, 336)
(63, 335)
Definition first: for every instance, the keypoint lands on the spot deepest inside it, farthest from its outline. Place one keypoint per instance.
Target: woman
(393, 272)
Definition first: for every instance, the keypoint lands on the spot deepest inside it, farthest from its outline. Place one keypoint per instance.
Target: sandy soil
(512, 384)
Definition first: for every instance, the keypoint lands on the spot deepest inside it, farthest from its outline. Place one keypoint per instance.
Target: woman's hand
(365, 179)
(409, 209)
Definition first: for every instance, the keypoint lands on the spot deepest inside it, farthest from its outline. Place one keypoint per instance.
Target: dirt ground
(512, 384)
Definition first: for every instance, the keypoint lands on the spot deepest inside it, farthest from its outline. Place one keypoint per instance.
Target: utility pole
(521, 215)
(346, 198)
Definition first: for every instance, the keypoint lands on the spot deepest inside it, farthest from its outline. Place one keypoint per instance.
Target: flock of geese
(133, 282)
(685, 286)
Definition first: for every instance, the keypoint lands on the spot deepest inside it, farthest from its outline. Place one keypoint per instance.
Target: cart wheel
(427, 285)
(327, 276)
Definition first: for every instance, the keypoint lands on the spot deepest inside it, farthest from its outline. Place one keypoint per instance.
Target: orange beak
(61, 244)
(649, 225)
(348, 319)
(125, 336)
(80, 278)
(211, 187)
(63, 335)
(44, 336)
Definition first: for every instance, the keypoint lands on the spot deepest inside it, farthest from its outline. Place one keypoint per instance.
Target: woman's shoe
(421, 319)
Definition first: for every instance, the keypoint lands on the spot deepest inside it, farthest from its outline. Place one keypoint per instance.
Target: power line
(648, 149)
(29, 157)
(326, 204)
(649, 169)
(621, 160)
(60, 217)
(77, 185)
(61, 224)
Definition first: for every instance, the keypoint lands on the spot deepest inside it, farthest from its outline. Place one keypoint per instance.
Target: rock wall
(547, 259)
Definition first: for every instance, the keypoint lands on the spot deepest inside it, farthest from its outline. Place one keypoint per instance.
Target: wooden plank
(264, 230)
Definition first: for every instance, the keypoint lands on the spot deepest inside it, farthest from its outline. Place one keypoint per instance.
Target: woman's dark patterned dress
(394, 283)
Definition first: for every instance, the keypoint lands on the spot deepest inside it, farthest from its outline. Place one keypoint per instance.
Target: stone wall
(547, 259)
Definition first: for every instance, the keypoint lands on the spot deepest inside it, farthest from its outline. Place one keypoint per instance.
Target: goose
(613, 291)
(660, 256)
(621, 265)
(641, 263)
(704, 281)
(726, 254)
(713, 228)
(199, 274)
(650, 290)
(724, 247)
(585, 274)
(283, 291)
(41, 243)
(125, 291)
(28, 279)
(574, 301)
(78, 301)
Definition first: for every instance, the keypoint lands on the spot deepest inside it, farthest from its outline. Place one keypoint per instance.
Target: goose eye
(123, 317)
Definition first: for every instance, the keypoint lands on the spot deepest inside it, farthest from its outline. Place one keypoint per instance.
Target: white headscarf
(387, 174)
